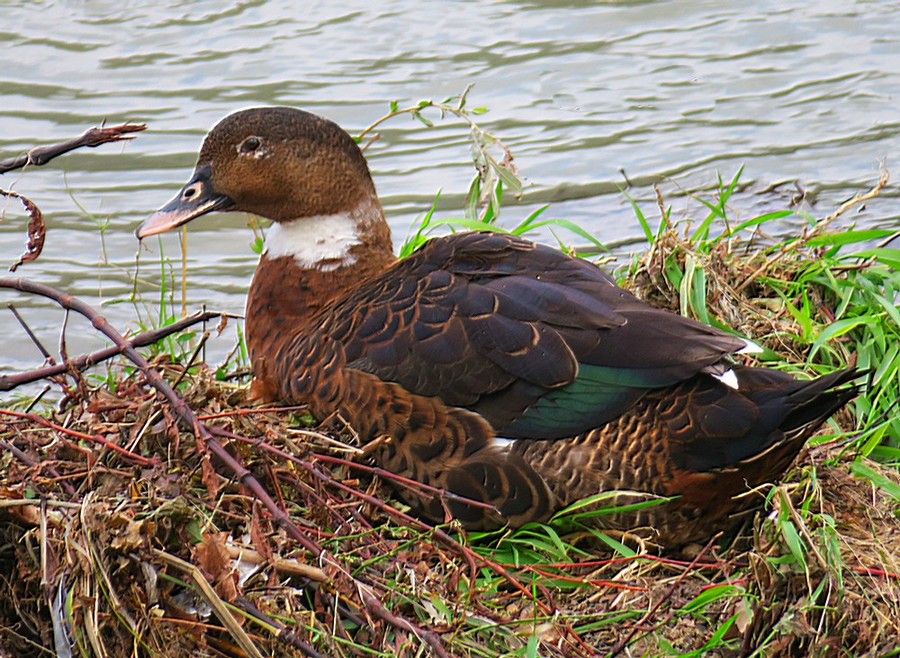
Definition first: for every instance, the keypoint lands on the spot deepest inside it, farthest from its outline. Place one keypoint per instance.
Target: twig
(34, 339)
(281, 565)
(41, 155)
(37, 398)
(63, 349)
(178, 404)
(93, 137)
(231, 413)
(19, 454)
(371, 602)
(594, 582)
(209, 594)
(419, 487)
(470, 556)
(375, 607)
(281, 632)
(9, 382)
(94, 438)
(23, 457)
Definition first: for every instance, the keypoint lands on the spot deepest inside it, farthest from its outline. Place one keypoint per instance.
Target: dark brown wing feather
(495, 323)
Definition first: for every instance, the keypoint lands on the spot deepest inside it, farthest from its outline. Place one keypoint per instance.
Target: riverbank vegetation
(153, 511)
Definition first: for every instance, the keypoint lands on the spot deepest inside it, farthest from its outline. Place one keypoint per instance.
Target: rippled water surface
(581, 92)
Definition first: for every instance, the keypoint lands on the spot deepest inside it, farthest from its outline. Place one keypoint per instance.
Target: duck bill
(197, 198)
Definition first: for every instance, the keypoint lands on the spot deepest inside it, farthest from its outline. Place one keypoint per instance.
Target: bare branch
(41, 155)
(9, 382)
(81, 436)
(34, 339)
(92, 138)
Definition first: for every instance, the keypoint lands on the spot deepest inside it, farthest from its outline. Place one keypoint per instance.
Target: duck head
(280, 163)
(329, 233)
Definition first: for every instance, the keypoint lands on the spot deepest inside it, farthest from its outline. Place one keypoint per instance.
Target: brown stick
(283, 633)
(420, 487)
(244, 476)
(94, 137)
(37, 229)
(9, 382)
(184, 412)
(82, 436)
(28, 332)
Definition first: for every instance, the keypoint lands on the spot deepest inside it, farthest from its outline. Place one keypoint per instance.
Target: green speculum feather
(598, 395)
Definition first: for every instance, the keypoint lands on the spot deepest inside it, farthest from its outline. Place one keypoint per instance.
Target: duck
(492, 368)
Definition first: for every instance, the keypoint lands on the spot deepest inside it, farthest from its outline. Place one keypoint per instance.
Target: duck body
(484, 364)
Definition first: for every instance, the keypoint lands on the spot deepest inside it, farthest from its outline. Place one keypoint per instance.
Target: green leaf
(526, 224)
(762, 219)
(615, 545)
(838, 328)
(468, 224)
(569, 226)
(885, 256)
(424, 119)
(889, 486)
(508, 177)
(794, 542)
(473, 198)
(712, 595)
(415, 242)
(698, 295)
(642, 220)
(848, 237)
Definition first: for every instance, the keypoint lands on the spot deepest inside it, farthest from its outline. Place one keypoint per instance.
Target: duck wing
(540, 344)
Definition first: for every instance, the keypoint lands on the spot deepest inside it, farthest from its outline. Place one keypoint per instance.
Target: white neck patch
(312, 241)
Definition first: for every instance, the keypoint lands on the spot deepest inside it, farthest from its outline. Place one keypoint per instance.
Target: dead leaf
(37, 230)
(212, 555)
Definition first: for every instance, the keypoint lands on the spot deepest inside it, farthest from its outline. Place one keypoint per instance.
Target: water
(581, 92)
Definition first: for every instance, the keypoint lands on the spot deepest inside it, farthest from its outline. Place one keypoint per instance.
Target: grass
(819, 299)
(170, 557)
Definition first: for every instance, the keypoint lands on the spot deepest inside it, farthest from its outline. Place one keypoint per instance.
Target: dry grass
(120, 554)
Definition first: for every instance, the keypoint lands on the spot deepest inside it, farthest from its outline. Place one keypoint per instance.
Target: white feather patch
(502, 444)
(313, 240)
(750, 348)
(728, 378)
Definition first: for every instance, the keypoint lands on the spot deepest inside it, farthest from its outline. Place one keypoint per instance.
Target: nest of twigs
(156, 550)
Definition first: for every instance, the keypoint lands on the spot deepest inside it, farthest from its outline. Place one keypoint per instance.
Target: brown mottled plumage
(485, 364)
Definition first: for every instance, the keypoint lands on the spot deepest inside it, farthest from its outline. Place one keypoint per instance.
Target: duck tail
(817, 400)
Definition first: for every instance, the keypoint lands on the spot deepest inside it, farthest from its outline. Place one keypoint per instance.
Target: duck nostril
(189, 193)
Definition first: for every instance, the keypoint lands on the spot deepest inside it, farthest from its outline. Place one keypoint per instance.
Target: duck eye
(250, 145)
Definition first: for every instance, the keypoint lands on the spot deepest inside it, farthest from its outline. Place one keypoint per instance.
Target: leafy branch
(493, 171)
